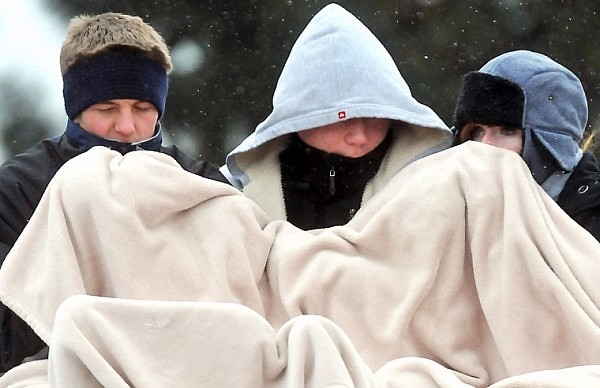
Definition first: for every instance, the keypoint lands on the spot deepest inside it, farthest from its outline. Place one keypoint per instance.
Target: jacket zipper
(332, 181)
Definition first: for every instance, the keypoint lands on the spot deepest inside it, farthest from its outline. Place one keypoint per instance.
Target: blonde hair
(91, 35)
(589, 141)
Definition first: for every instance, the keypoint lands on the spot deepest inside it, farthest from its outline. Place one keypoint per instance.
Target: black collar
(306, 168)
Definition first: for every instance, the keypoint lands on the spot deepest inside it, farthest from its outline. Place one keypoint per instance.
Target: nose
(492, 139)
(356, 131)
(486, 138)
(124, 124)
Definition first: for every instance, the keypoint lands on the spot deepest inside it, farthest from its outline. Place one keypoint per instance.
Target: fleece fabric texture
(457, 274)
(336, 70)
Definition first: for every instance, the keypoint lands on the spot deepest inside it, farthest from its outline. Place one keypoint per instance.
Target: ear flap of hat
(548, 169)
(563, 148)
(488, 99)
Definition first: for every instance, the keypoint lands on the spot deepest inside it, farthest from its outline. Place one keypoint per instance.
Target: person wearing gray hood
(527, 102)
(343, 123)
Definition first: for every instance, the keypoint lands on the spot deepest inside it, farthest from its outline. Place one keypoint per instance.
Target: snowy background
(228, 56)
(30, 37)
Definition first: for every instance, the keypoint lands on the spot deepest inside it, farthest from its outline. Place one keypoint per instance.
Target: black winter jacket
(321, 189)
(580, 198)
(23, 180)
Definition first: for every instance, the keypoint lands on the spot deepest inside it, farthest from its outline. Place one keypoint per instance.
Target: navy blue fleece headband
(114, 76)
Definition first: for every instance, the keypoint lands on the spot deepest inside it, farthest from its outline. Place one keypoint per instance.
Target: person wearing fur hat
(343, 123)
(115, 70)
(526, 102)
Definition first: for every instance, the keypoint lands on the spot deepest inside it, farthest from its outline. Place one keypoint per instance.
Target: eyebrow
(106, 103)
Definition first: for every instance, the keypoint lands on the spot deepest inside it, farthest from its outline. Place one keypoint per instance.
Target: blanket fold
(461, 272)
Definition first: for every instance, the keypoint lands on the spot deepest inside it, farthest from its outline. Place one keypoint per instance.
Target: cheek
(150, 127)
(516, 145)
(376, 136)
(332, 143)
(324, 140)
(379, 134)
(146, 124)
(519, 149)
(95, 125)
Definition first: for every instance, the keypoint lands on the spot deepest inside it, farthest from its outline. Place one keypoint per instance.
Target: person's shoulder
(195, 166)
(38, 162)
(31, 154)
(584, 182)
(587, 167)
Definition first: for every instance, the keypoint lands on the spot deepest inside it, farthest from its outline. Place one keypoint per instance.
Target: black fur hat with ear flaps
(552, 111)
(490, 100)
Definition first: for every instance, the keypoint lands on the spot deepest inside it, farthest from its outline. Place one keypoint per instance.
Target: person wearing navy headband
(115, 70)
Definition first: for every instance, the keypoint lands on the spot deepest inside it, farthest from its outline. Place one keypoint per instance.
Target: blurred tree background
(228, 55)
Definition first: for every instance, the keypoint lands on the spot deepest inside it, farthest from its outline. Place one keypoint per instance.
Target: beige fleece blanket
(460, 273)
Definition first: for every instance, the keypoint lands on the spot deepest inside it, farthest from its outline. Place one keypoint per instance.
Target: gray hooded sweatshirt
(337, 70)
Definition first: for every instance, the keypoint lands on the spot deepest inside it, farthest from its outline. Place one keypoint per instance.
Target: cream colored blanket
(461, 273)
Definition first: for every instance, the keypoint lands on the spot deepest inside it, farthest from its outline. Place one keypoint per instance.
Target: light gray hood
(336, 70)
